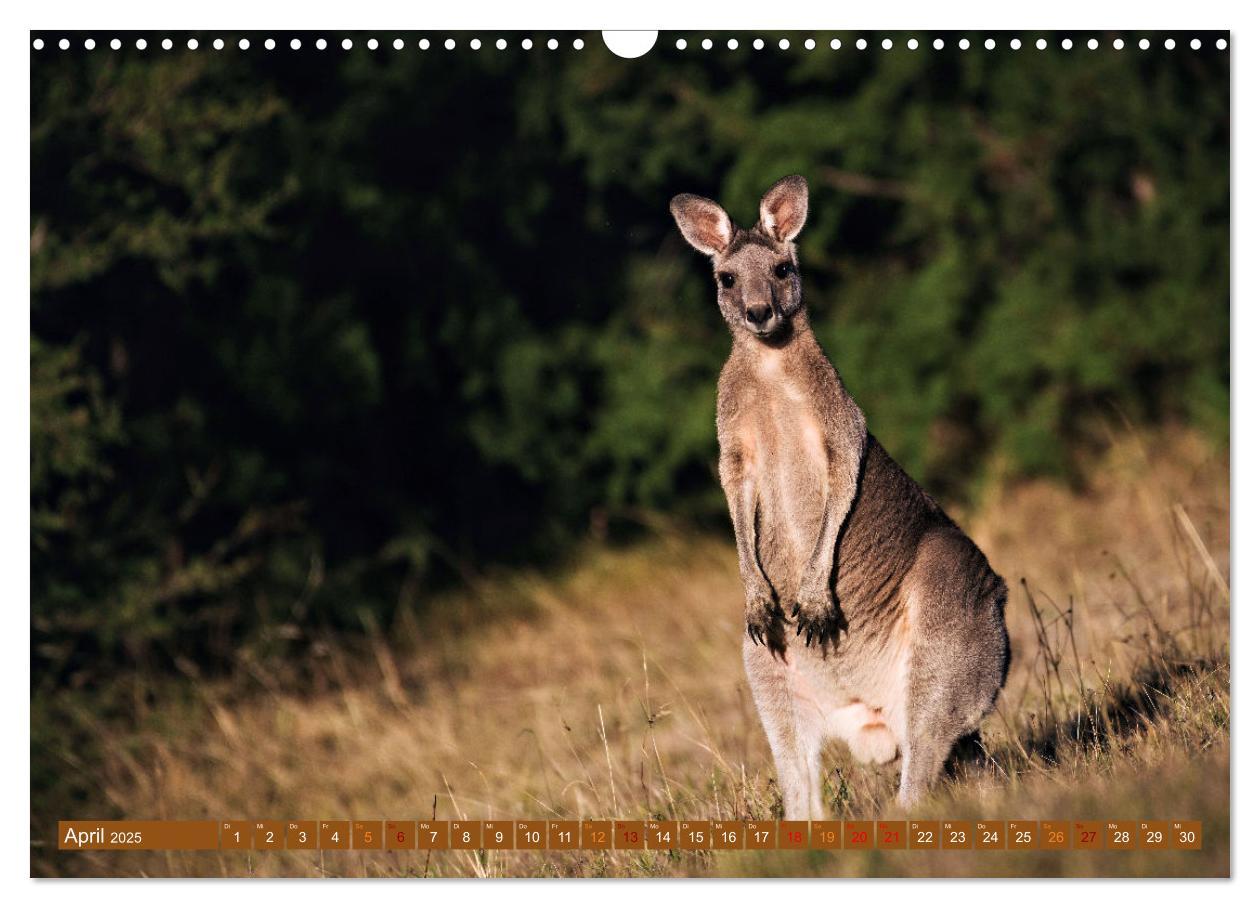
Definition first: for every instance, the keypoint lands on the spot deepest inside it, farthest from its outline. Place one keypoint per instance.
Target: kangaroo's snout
(759, 316)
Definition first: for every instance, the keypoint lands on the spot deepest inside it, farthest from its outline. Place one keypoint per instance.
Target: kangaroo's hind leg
(795, 734)
(958, 657)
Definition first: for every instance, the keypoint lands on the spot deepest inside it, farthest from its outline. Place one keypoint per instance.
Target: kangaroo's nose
(758, 315)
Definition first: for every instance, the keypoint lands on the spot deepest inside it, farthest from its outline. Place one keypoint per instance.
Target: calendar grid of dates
(628, 835)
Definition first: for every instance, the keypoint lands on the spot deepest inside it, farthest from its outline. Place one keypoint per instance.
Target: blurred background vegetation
(316, 334)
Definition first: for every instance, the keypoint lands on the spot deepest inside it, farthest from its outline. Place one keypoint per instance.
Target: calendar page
(726, 453)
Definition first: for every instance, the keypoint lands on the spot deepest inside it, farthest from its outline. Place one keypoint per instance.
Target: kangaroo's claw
(765, 620)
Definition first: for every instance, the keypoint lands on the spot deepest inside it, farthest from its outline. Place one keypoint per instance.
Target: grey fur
(871, 616)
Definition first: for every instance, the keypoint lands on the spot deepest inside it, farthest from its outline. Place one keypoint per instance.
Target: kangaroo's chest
(790, 473)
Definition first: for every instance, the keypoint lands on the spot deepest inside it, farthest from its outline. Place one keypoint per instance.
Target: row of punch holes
(809, 44)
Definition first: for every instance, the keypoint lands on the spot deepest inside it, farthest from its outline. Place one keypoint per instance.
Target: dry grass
(616, 689)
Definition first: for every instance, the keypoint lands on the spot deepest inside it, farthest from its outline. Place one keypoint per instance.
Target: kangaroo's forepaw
(765, 620)
(819, 618)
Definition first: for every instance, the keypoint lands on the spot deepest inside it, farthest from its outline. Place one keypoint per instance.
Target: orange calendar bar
(635, 835)
(137, 835)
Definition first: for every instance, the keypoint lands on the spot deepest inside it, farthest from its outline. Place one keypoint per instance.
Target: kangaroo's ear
(703, 222)
(783, 208)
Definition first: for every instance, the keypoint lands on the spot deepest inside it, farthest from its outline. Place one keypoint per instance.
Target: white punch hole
(629, 44)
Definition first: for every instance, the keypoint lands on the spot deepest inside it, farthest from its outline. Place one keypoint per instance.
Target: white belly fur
(872, 725)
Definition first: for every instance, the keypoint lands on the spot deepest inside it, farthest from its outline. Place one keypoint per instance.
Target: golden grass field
(614, 688)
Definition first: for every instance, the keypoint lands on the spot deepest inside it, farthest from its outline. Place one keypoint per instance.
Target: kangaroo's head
(758, 285)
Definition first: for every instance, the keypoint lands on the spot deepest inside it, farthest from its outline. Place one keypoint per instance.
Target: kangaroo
(900, 645)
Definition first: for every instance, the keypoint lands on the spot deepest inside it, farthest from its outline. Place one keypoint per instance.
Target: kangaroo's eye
(726, 279)
(783, 269)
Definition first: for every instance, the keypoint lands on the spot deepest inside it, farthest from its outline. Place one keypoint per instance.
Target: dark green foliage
(313, 333)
